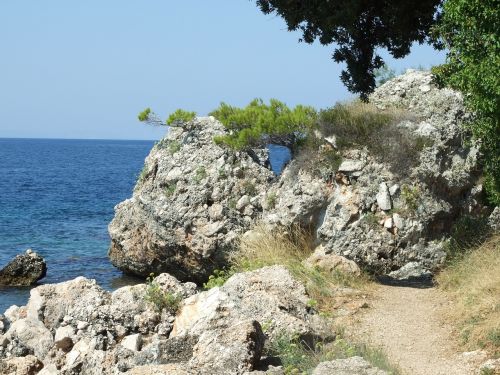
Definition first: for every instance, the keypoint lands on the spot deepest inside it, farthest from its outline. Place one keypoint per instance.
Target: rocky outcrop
(384, 213)
(24, 270)
(377, 213)
(191, 202)
(77, 327)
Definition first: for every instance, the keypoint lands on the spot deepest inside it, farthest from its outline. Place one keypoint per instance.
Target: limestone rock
(170, 225)
(332, 262)
(348, 366)
(384, 197)
(25, 269)
(29, 365)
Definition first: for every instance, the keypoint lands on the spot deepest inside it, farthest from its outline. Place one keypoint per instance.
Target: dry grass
(473, 283)
(290, 248)
(359, 124)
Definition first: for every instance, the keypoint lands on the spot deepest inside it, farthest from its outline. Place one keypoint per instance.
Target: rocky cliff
(195, 198)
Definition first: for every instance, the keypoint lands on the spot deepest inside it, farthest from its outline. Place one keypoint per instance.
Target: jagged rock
(348, 366)
(29, 365)
(332, 262)
(24, 270)
(182, 216)
(269, 295)
(76, 327)
(233, 350)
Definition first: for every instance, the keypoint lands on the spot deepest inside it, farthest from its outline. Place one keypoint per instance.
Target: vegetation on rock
(160, 299)
(258, 122)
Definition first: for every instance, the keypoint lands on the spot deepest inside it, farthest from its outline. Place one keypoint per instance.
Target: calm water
(57, 197)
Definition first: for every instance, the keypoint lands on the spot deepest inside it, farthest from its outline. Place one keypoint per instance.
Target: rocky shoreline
(192, 204)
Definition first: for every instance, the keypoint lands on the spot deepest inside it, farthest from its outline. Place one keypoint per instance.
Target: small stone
(388, 223)
(393, 190)
(398, 221)
(349, 166)
(132, 342)
(243, 202)
(82, 325)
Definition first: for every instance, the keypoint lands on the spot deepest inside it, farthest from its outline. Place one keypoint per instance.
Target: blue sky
(85, 69)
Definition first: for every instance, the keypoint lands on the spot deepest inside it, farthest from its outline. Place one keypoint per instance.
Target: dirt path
(406, 323)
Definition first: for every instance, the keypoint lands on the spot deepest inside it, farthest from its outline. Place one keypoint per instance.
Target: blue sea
(57, 198)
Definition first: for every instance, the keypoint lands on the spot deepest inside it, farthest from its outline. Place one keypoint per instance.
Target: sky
(85, 69)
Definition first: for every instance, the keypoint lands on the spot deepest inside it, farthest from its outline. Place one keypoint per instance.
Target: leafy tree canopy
(470, 29)
(358, 28)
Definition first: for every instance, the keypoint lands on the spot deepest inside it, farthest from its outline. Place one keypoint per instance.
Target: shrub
(174, 146)
(469, 30)
(361, 125)
(467, 233)
(200, 174)
(271, 200)
(159, 299)
(170, 189)
(472, 281)
(411, 196)
(253, 125)
(249, 188)
(299, 357)
(218, 278)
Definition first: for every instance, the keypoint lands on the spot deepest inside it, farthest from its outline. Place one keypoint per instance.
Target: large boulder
(191, 202)
(24, 270)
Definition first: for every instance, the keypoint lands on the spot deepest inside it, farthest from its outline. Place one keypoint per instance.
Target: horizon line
(79, 139)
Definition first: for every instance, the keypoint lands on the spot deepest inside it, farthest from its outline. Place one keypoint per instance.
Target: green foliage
(177, 118)
(411, 196)
(384, 74)
(143, 174)
(200, 174)
(170, 189)
(218, 278)
(249, 188)
(144, 115)
(180, 117)
(174, 146)
(359, 29)
(253, 125)
(222, 174)
(271, 200)
(470, 31)
(159, 299)
(299, 357)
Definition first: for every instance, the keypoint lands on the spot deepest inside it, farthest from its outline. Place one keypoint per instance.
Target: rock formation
(193, 200)
(24, 270)
(76, 327)
(196, 197)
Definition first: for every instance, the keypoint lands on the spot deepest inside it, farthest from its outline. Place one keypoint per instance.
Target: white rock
(82, 325)
(132, 342)
(383, 197)
(243, 202)
(393, 189)
(332, 140)
(398, 221)
(349, 165)
(63, 332)
(388, 223)
(12, 313)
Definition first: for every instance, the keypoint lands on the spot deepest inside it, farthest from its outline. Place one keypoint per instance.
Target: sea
(57, 197)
